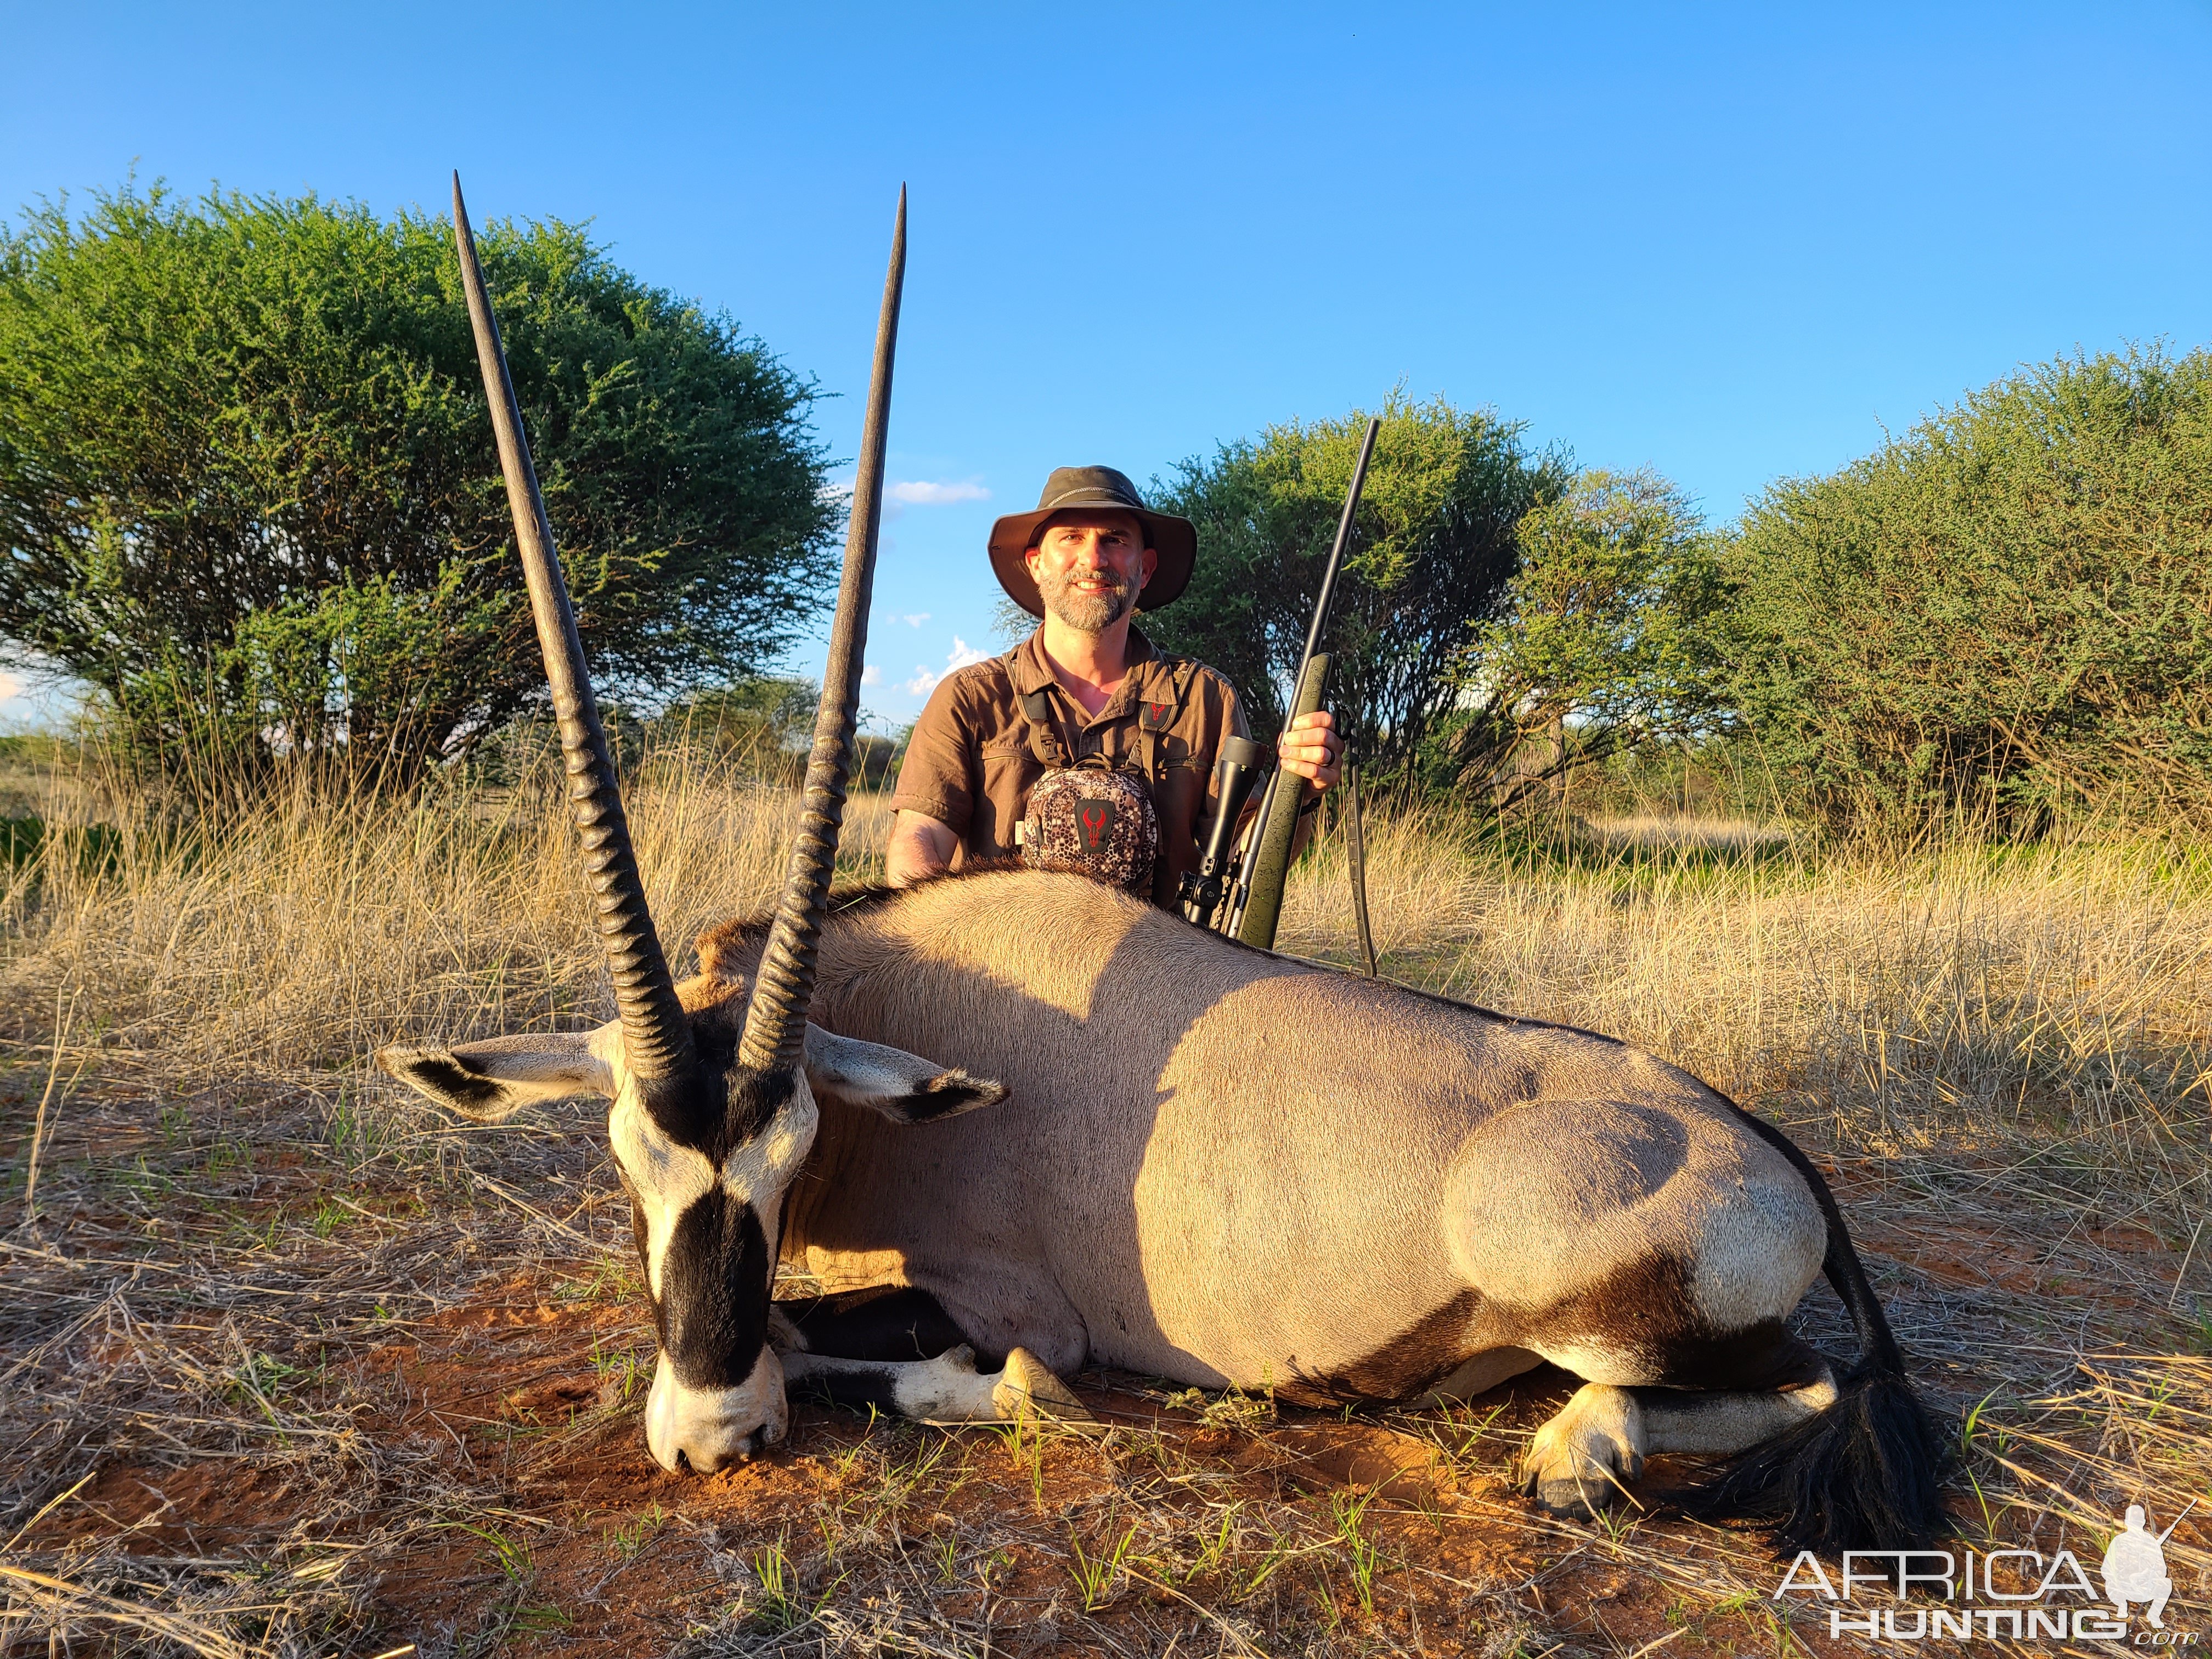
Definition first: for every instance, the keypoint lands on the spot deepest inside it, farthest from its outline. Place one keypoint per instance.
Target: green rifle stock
(1269, 866)
(1279, 825)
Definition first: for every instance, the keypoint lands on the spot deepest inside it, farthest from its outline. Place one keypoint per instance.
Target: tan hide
(1219, 1166)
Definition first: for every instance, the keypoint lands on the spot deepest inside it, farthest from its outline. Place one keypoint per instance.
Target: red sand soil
(618, 1553)
(533, 1505)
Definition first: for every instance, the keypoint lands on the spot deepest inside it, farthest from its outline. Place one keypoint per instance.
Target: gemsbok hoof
(1581, 1461)
(1027, 1389)
(1584, 1501)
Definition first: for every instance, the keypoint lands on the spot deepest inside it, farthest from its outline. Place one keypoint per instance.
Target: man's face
(1090, 566)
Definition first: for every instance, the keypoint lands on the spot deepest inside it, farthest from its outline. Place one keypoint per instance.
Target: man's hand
(1311, 748)
(920, 846)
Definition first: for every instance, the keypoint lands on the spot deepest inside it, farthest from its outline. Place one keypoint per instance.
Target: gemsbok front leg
(894, 1348)
(946, 1390)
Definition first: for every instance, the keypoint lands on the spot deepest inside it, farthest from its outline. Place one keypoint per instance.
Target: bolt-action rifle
(1259, 904)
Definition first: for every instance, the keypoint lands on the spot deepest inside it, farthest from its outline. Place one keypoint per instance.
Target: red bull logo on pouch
(1096, 817)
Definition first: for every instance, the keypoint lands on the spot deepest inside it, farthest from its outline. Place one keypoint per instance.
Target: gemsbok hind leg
(1653, 1249)
(1585, 1457)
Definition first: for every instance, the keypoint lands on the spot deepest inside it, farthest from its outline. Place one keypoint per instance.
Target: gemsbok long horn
(775, 1023)
(656, 1034)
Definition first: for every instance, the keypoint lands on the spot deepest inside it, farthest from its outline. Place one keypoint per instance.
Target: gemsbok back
(1206, 1162)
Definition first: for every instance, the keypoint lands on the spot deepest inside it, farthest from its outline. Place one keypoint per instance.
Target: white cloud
(872, 675)
(11, 686)
(919, 492)
(926, 678)
(915, 620)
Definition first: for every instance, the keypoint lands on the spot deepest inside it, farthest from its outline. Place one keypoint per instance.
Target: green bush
(2002, 616)
(1601, 643)
(765, 727)
(96, 848)
(248, 490)
(1433, 549)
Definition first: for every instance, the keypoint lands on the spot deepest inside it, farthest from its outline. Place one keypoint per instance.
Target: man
(1086, 690)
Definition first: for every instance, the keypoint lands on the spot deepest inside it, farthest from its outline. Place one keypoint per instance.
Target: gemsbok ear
(498, 1077)
(904, 1087)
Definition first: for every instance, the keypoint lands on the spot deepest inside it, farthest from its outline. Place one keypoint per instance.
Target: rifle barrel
(1319, 626)
(1267, 869)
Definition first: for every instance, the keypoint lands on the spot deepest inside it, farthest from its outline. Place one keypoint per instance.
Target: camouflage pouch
(1096, 823)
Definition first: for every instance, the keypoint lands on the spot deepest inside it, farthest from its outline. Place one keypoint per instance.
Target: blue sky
(1731, 243)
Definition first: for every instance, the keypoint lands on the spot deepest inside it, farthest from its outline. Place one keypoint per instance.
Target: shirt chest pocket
(1009, 772)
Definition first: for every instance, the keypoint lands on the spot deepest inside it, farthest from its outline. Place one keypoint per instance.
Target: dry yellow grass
(1947, 992)
(299, 937)
(2059, 992)
(2002, 1054)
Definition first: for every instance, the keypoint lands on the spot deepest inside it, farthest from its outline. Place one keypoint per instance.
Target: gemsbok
(1203, 1161)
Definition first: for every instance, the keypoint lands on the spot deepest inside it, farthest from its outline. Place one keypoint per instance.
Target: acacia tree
(1433, 547)
(248, 485)
(1603, 640)
(2003, 613)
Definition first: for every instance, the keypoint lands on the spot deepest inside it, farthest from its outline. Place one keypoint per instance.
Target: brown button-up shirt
(971, 760)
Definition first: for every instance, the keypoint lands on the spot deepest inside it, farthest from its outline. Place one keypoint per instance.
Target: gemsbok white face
(706, 1177)
(713, 1095)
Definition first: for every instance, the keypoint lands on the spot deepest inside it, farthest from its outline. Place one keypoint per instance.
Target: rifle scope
(1234, 775)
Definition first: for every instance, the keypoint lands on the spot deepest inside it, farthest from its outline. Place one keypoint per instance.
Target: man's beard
(1087, 613)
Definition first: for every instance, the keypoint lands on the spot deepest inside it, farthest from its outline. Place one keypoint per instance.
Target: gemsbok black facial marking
(712, 1284)
(711, 1312)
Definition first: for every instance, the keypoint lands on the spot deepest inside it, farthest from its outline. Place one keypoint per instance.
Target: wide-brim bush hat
(1176, 540)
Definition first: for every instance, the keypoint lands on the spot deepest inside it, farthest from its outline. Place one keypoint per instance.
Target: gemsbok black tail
(1866, 1473)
